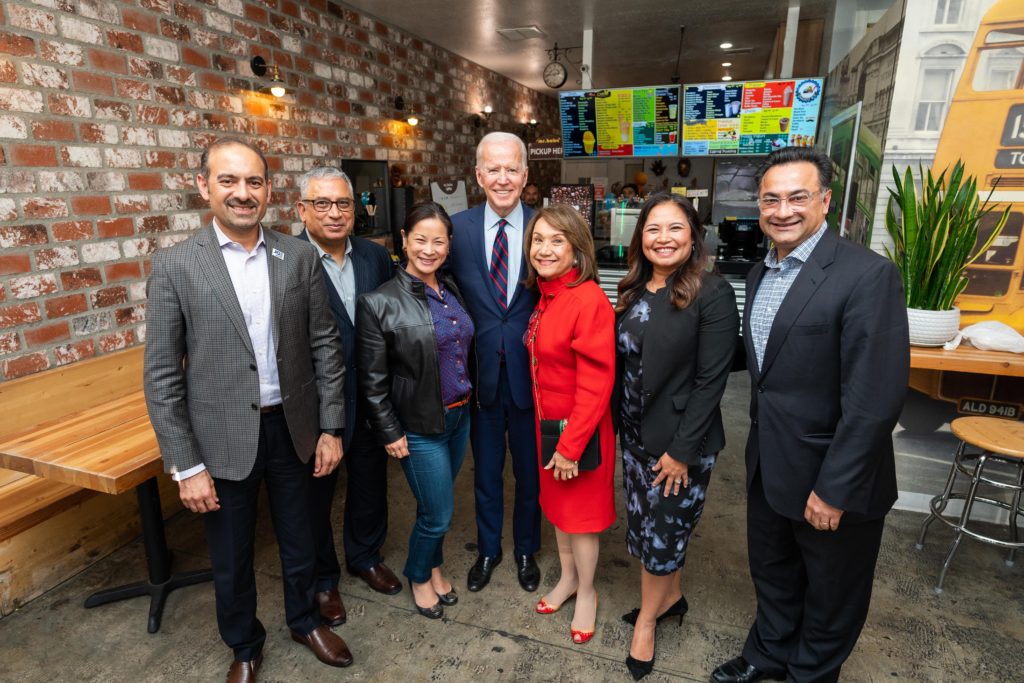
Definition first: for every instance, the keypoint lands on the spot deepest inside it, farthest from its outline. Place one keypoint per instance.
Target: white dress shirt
(515, 233)
(250, 277)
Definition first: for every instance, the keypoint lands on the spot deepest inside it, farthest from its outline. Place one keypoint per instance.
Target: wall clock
(555, 75)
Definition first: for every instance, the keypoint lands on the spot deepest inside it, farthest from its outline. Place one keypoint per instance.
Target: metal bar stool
(1000, 440)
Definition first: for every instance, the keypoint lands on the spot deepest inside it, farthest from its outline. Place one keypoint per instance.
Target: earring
(576, 261)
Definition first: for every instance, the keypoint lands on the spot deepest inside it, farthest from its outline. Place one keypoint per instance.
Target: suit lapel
(476, 246)
(275, 265)
(812, 274)
(216, 271)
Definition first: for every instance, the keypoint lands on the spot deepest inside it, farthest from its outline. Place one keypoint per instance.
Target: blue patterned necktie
(499, 264)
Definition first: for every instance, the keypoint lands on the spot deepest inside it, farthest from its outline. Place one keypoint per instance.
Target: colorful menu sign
(753, 117)
(623, 122)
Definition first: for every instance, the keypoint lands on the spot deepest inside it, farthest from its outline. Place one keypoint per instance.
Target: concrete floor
(972, 632)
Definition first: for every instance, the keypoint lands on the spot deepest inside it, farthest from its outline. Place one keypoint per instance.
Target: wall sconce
(483, 118)
(259, 68)
(529, 130)
(411, 118)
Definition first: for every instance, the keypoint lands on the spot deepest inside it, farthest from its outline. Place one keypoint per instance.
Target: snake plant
(934, 235)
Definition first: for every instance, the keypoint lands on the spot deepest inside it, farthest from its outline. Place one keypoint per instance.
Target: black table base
(158, 560)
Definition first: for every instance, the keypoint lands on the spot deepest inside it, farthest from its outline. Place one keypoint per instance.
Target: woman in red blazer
(571, 342)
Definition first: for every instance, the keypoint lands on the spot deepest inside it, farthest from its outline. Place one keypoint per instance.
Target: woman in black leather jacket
(414, 337)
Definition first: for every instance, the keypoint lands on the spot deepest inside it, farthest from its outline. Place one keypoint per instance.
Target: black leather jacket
(396, 357)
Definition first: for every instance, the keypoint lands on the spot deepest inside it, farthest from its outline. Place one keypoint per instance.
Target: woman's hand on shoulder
(673, 473)
(564, 468)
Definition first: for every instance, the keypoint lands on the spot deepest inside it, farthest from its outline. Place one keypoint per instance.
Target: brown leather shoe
(245, 672)
(327, 645)
(332, 609)
(381, 579)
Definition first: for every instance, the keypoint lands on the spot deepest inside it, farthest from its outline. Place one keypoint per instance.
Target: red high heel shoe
(545, 607)
(579, 637)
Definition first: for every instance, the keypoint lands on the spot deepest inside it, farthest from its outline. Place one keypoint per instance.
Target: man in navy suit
(488, 263)
(351, 266)
(825, 329)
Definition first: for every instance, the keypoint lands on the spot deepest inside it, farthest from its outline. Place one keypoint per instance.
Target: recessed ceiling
(635, 42)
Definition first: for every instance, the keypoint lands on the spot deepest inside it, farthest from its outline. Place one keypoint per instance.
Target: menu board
(623, 122)
(752, 117)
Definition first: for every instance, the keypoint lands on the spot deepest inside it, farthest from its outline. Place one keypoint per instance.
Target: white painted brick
(232, 7)
(60, 181)
(234, 105)
(13, 127)
(160, 48)
(139, 136)
(59, 257)
(291, 44)
(134, 248)
(43, 76)
(78, 106)
(14, 99)
(107, 133)
(137, 290)
(31, 286)
(140, 334)
(8, 211)
(170, 240)
(95, 252)
(31, 19)
(292, 164)
(83, 156)
(217, 21)
(166, 202)
(97, 9)
(107, 181)
(173, 138)
(322, 70)
(80, 31)
(186, 221)
(123, 158)
(66, 53)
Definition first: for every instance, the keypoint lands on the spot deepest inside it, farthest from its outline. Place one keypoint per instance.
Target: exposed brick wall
(104, 105)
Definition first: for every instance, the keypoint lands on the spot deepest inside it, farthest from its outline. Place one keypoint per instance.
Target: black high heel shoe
(435, 611)
(679, 608)
(449, 598)
(638, 667)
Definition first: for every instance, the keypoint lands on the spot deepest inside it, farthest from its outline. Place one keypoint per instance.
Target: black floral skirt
(658, 528)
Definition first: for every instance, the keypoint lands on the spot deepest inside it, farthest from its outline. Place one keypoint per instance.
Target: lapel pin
(277, 253)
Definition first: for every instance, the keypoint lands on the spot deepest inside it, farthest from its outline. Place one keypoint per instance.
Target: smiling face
(502, 174)
(330, 228)
(426, 245)
(551, 254)
(667, 238)
(236, 187)
(786, 225)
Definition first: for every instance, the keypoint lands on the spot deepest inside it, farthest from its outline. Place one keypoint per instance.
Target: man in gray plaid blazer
(243, 380)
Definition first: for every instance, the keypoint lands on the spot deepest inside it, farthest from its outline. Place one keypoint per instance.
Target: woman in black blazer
(676, 331)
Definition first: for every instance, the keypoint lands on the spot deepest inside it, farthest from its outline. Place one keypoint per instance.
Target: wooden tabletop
(967, 359)
(110, 448)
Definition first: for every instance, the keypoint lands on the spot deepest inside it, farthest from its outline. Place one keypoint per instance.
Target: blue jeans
(431, 466)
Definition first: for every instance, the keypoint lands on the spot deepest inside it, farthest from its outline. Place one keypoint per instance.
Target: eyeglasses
(324, 205)
(510, 173)
(798, 200)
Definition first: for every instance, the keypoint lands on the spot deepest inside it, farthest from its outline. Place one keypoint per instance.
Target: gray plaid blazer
(201, 389)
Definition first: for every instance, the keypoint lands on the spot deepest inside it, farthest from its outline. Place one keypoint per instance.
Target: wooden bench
(50, 529)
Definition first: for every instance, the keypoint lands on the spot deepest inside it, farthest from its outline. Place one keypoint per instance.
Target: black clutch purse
(551, 431)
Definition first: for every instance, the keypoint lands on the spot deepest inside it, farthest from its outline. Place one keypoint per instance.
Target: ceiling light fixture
(727, 77)
(726, 64)
(259, 68)
(725, 46)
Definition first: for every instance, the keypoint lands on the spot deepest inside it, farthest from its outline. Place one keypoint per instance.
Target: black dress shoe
(435, 611)
(480, 573)
(678, 608)
(529, 572)
(638, 667)
(739, 670)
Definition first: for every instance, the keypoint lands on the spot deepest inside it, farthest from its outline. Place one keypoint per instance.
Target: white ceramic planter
(932, 328)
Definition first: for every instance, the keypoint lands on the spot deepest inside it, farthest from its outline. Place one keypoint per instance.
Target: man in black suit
(825, 330)
(351, 266)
